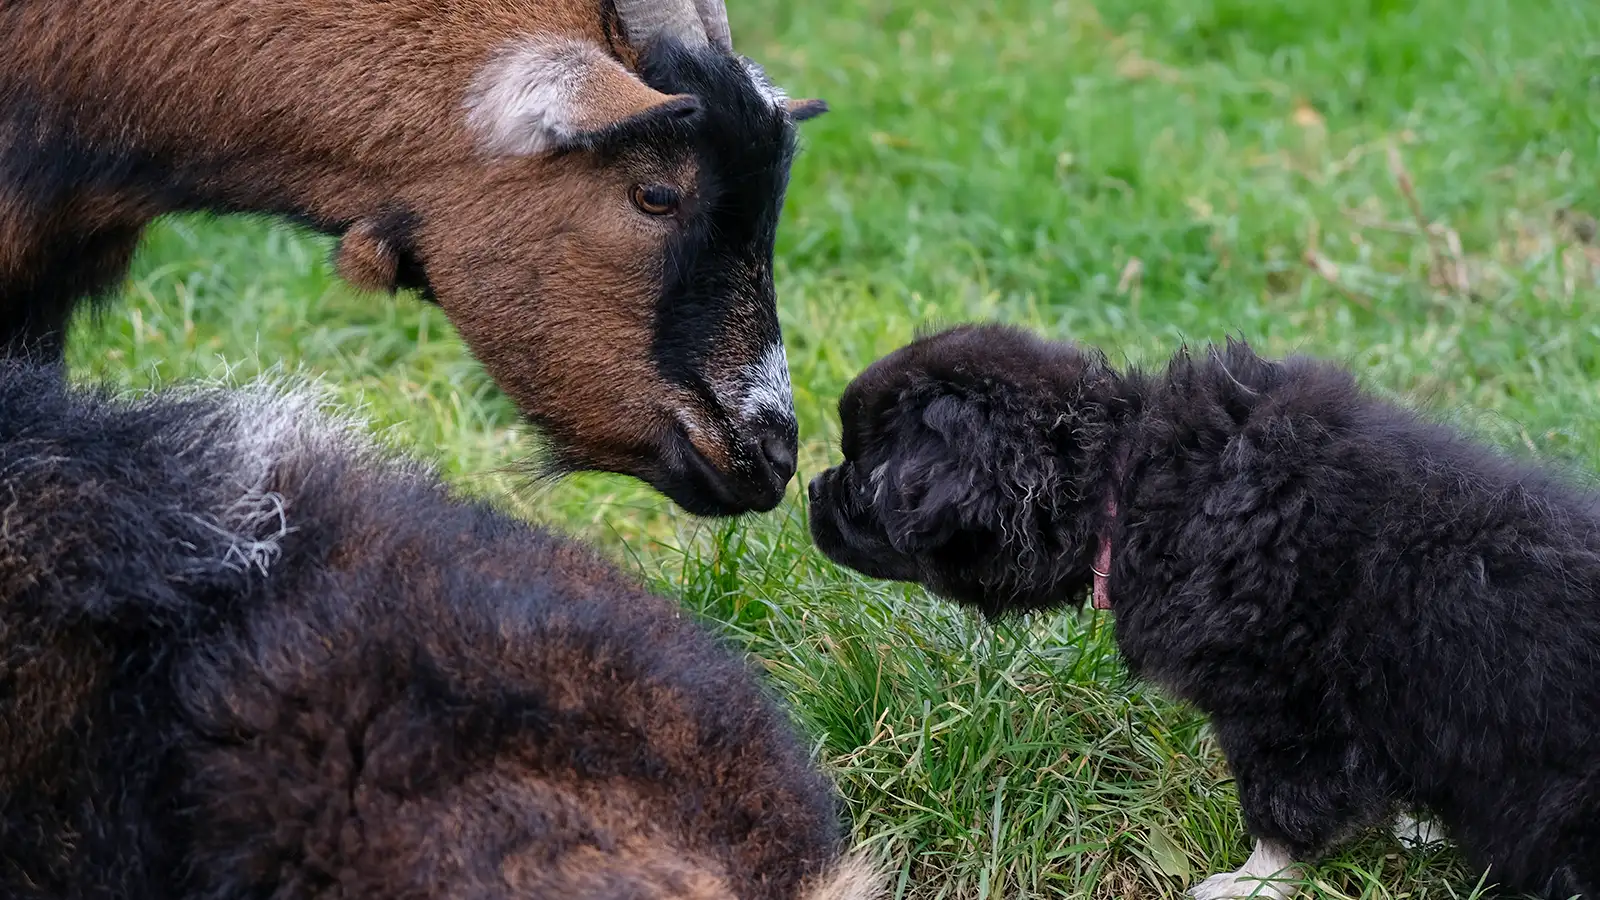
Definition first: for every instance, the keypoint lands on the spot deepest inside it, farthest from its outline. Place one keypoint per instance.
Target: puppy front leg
(1269, 874)
(1303, 791)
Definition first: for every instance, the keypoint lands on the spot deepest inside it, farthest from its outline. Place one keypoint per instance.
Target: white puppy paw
(1269, 874)
(1417, 834)
(1238, 886)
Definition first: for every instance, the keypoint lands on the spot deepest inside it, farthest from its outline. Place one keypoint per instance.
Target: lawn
(1407, 187)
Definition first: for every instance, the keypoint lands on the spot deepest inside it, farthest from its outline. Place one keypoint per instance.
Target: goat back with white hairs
(245, 654)
(589, 189)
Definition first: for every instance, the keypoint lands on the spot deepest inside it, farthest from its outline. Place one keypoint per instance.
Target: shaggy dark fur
(243, 655)
(1376, 612)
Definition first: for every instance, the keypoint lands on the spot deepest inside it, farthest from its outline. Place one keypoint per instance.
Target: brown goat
(590, 189)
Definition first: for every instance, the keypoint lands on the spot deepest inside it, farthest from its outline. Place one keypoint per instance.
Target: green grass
(1135, 175)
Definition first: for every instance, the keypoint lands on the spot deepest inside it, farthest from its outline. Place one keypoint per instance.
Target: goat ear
(614, 99)
(541, 95)
(802, 110)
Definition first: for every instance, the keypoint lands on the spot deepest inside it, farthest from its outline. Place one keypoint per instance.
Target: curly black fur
(244, 655)
(1376, 612)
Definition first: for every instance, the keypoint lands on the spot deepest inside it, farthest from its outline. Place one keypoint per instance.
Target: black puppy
(1376, 613)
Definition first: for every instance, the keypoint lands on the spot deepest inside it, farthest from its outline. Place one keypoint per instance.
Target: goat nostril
(779, 453)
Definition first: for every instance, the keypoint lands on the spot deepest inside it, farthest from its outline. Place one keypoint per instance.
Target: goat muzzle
(756, 482)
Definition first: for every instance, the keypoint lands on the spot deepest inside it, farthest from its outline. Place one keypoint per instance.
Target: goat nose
(778, 449)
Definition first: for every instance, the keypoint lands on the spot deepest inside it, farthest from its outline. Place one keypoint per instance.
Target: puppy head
(974, 464)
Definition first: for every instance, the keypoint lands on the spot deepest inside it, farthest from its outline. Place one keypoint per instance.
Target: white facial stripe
(766, 386)
(524, 101)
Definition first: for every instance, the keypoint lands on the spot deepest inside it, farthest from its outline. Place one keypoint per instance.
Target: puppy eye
(656, 199)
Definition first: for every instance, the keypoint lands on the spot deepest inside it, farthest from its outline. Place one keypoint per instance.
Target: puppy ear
(955, 473)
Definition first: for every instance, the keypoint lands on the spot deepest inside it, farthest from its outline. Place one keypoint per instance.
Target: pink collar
(1102, 557)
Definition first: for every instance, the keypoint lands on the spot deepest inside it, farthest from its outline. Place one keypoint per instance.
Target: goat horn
(714, 16)
(647, 20)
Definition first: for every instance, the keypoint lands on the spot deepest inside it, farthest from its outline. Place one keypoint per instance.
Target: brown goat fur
(243, 654)
(490, 154)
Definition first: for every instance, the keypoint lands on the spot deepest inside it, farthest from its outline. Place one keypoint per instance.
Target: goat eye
(655, 199)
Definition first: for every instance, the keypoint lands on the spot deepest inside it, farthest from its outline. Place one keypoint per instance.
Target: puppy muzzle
(845, 529)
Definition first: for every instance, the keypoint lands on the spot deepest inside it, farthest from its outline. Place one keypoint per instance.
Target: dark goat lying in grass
(244, 655)
(1375, 612)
